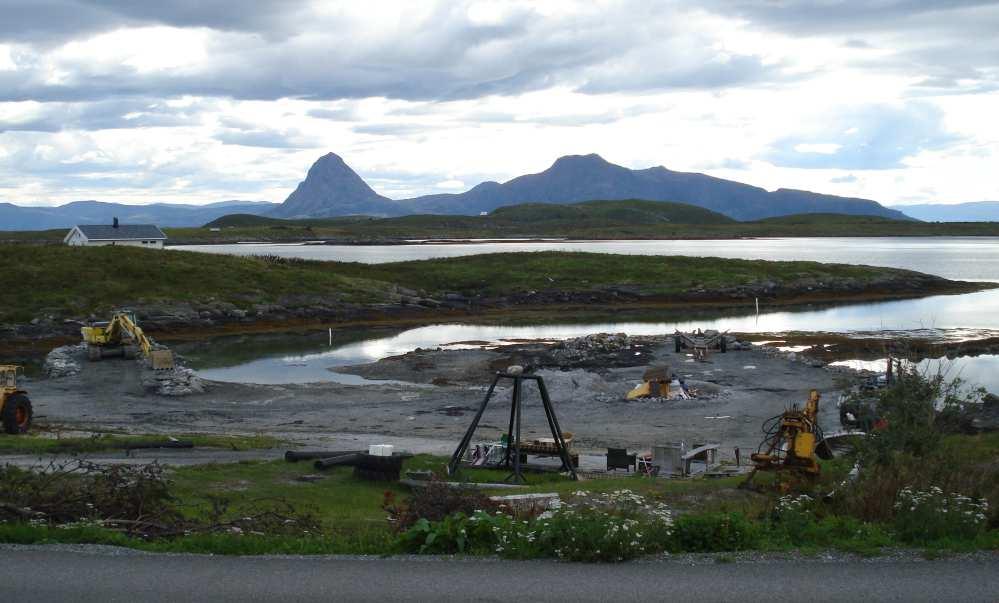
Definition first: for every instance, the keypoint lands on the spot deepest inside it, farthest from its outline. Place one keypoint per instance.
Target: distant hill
(980, 211)
(595, 220)
(589, 214)
(830, 218)
(15, 217)
(251, 220)
(331, 188)
(610, 213)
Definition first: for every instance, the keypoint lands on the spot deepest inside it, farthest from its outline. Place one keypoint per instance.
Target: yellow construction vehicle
(15, 407)
(121, 336)
(793, 441)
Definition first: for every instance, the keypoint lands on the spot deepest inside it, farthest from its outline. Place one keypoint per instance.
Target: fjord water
(964, 258)
(954, 316)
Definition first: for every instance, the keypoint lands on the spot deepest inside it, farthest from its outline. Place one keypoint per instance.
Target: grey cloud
(939, 40)
(883, 137)
(807, 17)
(443, 57)
(49, 22)
(849, 178)
(338, 114)
(107, 114)
(855, 43)
(93, 172)
(393, 129)
(267, 138)
(708, 73)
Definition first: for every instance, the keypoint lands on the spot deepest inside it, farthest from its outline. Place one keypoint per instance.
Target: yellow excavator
(15, 407)
(792, 444)
(122, 337)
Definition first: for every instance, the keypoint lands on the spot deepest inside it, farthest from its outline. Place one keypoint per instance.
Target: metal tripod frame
(513, 431)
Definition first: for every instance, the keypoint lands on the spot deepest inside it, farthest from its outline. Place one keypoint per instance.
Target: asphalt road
(106, 574)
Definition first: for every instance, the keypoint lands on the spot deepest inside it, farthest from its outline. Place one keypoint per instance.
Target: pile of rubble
(175, 382)
(580, 348)
(64, 361)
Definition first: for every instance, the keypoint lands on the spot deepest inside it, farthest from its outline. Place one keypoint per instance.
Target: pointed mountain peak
(330, 161)
(332, 188)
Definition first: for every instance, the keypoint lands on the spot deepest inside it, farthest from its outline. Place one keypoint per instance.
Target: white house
(133, 235)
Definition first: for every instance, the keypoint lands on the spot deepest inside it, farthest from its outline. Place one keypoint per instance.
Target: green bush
(923, 516)
(714, 532)
(588, 527)
(446, 536)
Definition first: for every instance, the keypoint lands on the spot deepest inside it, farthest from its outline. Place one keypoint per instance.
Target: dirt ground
(440, 390)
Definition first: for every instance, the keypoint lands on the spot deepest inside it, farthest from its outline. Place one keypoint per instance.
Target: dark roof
(106, 232)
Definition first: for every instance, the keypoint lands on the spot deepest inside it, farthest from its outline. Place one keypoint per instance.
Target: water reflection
(304, 358)
(975, 371)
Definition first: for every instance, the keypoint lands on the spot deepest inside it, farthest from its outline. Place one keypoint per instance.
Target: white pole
(331, 336)
(757, 306)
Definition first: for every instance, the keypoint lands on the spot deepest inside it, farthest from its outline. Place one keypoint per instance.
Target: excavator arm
(118, 335)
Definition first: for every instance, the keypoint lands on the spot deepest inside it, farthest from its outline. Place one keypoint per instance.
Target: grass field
(73, 282)
(504, 273)
(66, 281)
(43, 440)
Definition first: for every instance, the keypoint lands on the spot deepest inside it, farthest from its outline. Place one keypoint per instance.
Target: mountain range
(332, 188)
(17, 217)
(978, 211)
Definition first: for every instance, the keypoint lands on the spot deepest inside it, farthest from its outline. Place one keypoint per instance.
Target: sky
(197, 101)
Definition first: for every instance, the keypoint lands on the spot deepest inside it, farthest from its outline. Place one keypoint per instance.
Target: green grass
(49, 442)
(505, 273)
(65, 281)
(73, 282)
(354, 523)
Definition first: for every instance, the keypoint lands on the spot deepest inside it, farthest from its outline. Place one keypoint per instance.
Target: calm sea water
(307, 357)
(966, 258)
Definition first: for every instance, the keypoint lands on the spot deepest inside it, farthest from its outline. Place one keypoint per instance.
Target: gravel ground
(738, 391)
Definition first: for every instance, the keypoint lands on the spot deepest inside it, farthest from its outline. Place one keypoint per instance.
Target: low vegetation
(506, 273)
(48, 440)
(75, 282)
(919, 485)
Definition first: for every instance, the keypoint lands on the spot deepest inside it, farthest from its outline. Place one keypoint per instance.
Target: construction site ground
(433, 395)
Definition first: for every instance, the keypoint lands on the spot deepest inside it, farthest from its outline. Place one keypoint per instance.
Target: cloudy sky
(204, 100)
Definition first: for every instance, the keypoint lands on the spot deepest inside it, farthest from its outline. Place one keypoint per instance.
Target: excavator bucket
(161, 359)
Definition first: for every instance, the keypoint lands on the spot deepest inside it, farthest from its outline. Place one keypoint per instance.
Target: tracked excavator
(15, 407)
(122, 337)
(791, 446)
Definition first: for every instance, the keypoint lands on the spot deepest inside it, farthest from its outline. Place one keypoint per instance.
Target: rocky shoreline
(403, 304)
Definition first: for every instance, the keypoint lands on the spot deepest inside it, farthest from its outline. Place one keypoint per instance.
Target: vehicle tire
(16, 414)
(130, 352)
